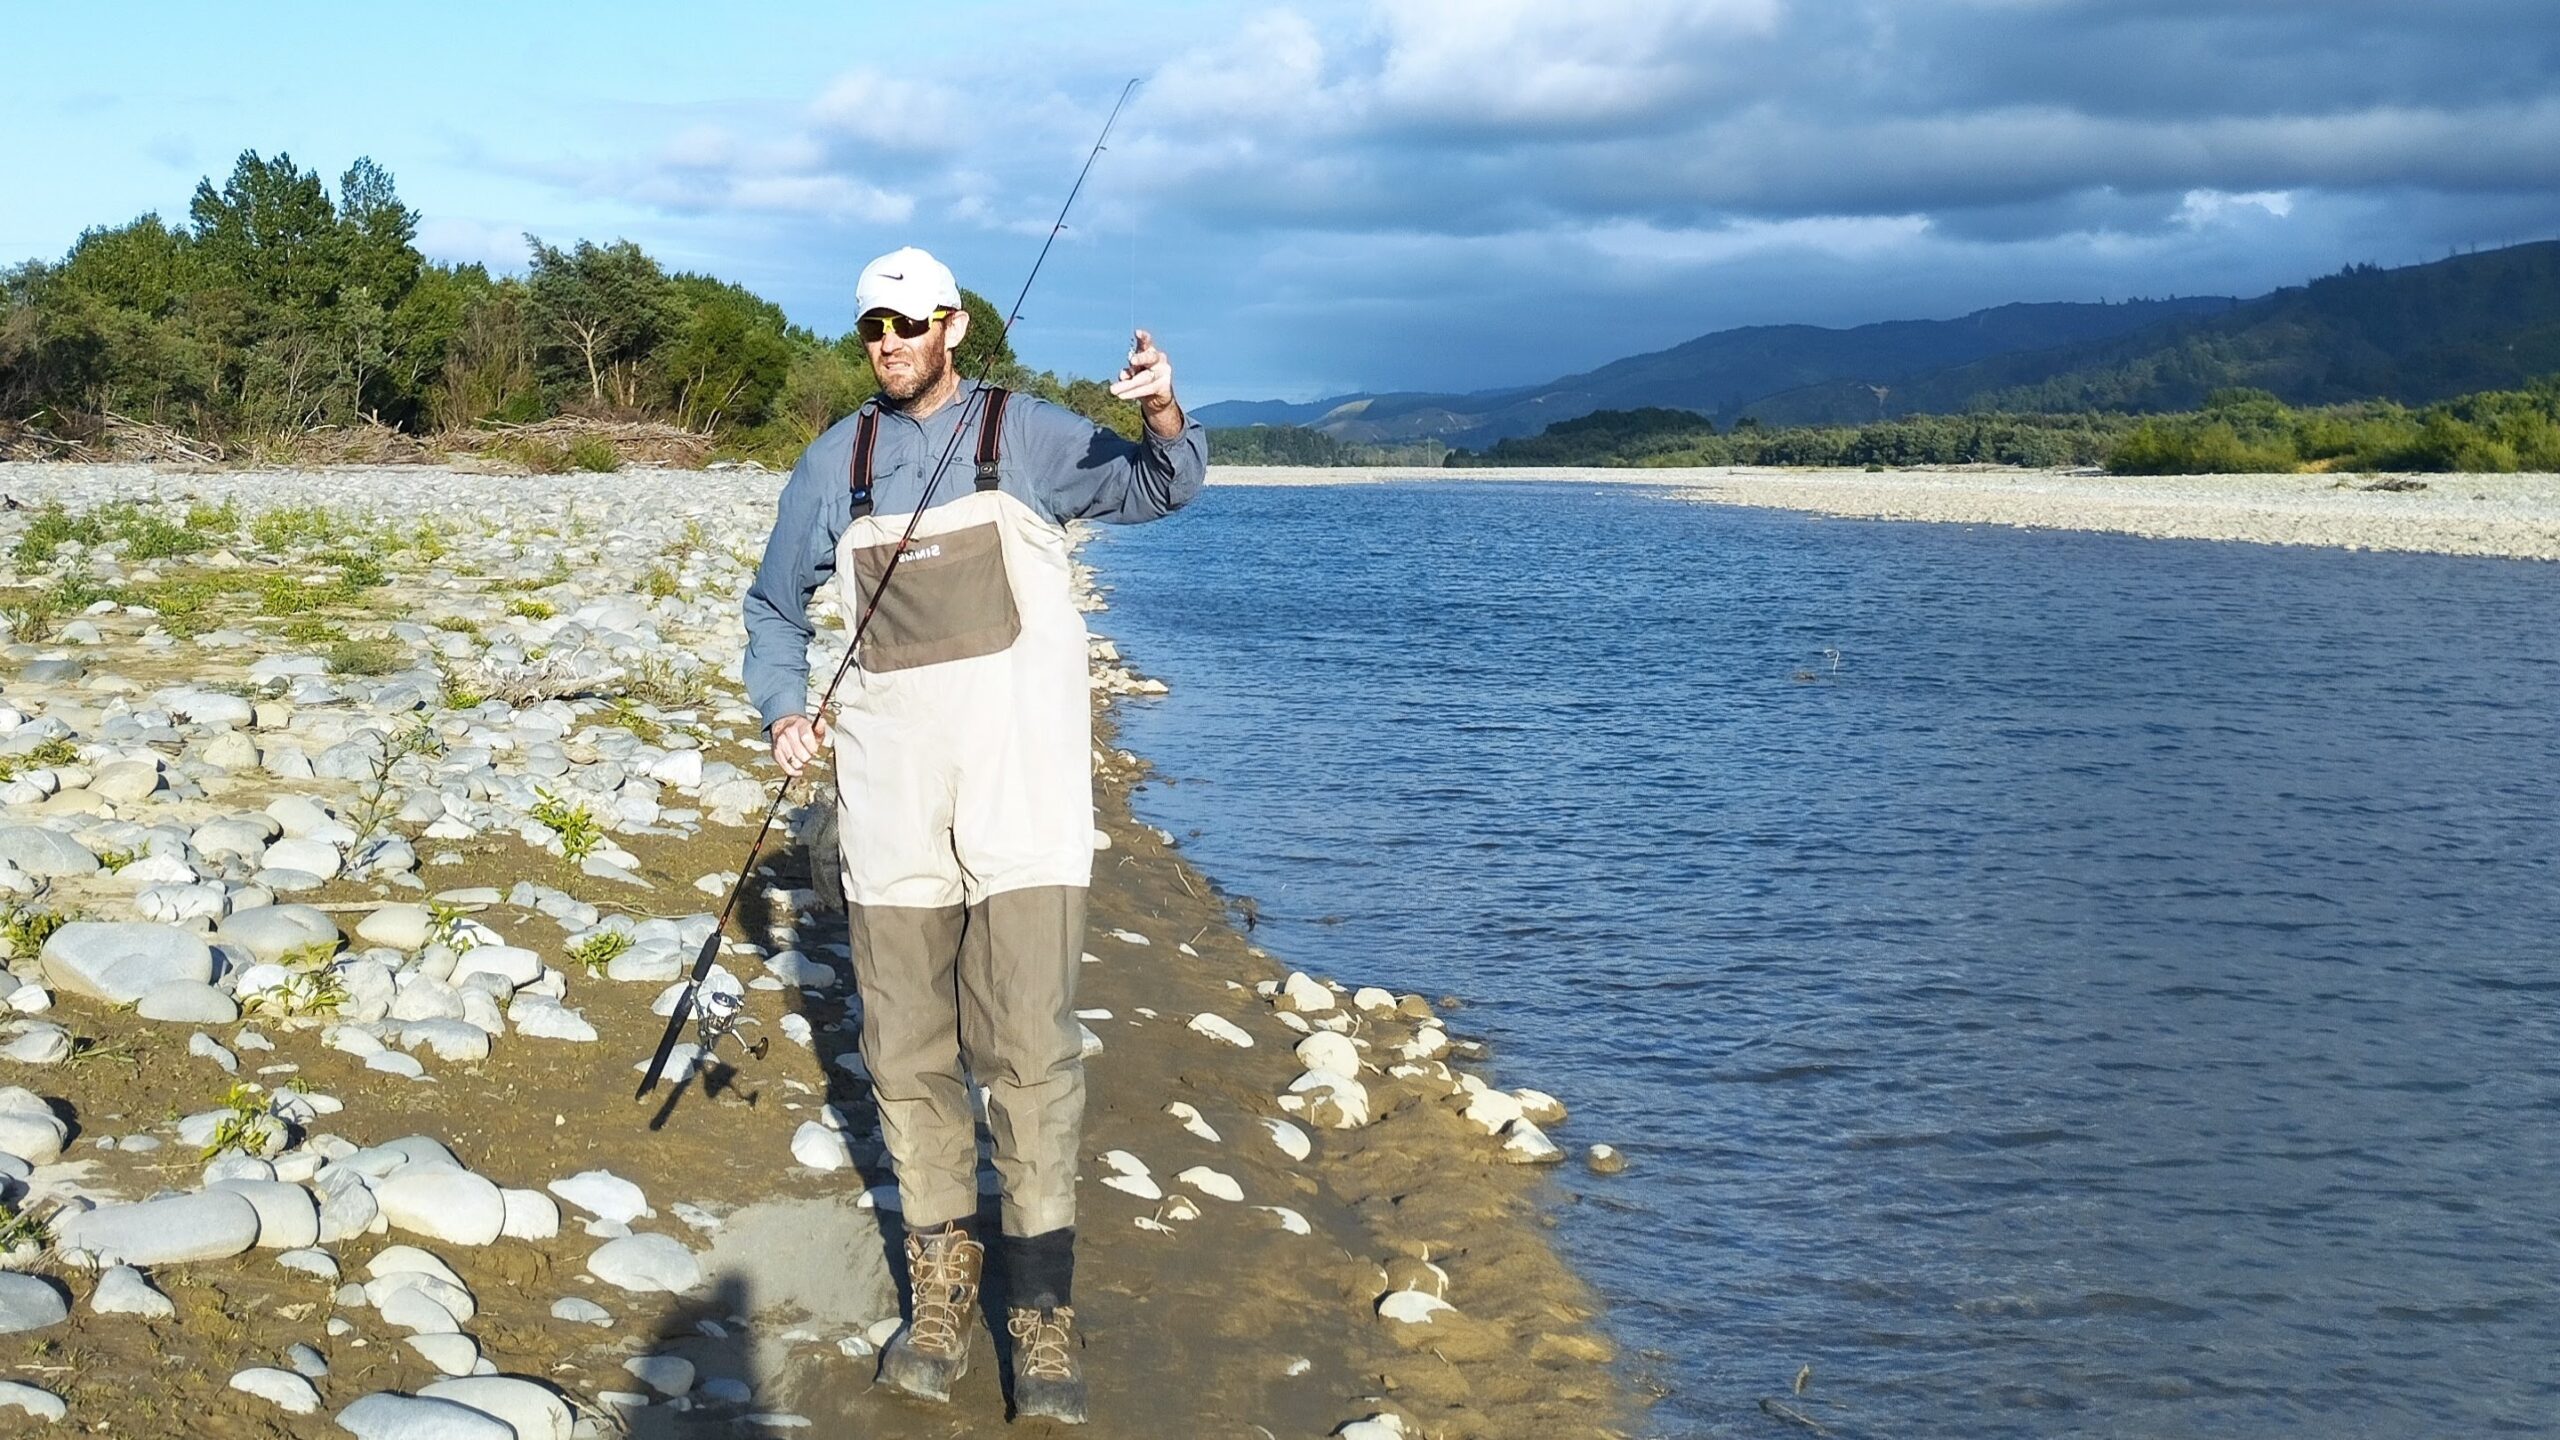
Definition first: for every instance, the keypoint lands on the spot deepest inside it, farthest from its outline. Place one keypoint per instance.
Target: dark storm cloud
(1435, 170)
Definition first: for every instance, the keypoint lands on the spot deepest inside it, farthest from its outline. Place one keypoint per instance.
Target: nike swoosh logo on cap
(885, 275)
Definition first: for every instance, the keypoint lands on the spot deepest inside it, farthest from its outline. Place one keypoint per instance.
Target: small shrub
(659, 584)
(150, 537)
(312, 630)
(18, 1228)
(289, 595)
(357, 570)
(295, 527)
(24, 929)
(427, 542)
(214, 521)
(460, 693)
(595, 453)
(664, 684)
(48, 530)
(79, 592)
(444, 926)
(251, 1127)
(599, 950)
(526, 608)
(53, 752)
(115, 860)
(31, 619)
(580, 835)
(367, 657)
(539, 456)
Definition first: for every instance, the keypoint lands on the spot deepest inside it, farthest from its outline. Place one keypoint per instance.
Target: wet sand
(2501, 515)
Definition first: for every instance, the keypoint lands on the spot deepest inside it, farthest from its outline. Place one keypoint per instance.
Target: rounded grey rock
(312, 857)
(45, 854)
(454, 1206)
(28, 1303)
(389, 1415)
(127, 782)
(207, 1225)
(535, 1409)
(452, 1354)
(123, 1290)
(666, 1374)
(209, 707)
(646, 1263)
(288, 1218)
(42, 1404)
(273, 931)
(287, 1391)
(187, 1002)
(121, 961)
(37, 1042)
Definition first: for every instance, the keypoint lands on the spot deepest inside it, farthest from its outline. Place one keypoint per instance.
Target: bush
(367, 657)
(594, 453)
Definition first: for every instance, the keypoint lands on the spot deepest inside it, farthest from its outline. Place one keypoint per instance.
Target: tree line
(279, 306)
(2235, 431)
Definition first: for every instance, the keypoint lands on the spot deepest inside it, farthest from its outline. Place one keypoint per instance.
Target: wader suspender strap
(990, 448)
(863, 436)
(990, 437)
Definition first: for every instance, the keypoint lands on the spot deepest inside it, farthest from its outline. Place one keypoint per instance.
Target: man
(963, 752)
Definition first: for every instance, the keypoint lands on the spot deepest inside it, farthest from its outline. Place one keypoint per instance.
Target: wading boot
(943, 1269)
(1048, 1379)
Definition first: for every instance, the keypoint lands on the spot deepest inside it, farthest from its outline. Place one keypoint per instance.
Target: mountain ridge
(2414, 334)
(1719, 373)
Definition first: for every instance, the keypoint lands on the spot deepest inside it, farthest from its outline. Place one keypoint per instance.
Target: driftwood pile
(636, 442)
(545, 445)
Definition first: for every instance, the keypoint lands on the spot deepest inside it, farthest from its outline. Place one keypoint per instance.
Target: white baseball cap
(909, 282)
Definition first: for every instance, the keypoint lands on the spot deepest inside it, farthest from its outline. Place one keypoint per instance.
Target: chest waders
(963, 751)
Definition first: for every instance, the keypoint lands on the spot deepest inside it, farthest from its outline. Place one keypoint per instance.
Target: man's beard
(932, 366)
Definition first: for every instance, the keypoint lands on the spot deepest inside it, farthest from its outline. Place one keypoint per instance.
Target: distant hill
(1724, 374)
(2416, 334)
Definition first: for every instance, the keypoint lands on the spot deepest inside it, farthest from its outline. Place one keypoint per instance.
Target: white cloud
(890, 113)
(2199, 208)
(1511, 63)
(461, 240)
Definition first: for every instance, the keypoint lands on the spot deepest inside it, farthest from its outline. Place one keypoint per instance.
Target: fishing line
(711, 947)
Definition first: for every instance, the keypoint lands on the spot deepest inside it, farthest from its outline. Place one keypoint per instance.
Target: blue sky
(1313, 198)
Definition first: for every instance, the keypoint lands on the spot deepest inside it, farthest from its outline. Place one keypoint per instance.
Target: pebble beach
(353, 843)
(2516, 516)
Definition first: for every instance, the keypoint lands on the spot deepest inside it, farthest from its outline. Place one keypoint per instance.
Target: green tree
(988, 350)
(600, 311)
(731, 358)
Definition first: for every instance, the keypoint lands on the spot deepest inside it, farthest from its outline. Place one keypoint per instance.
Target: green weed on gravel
(366, 657)
(599, 950)
(580, 835)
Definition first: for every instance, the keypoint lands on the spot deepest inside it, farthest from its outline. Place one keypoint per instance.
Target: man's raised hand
(1148, 379)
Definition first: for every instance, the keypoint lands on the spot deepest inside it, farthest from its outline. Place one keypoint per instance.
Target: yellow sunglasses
(876, 327)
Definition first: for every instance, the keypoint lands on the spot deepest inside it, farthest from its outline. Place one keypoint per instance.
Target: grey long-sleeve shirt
(1054, 460)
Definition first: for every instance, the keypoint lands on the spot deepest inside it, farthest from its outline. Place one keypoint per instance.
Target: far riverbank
(2516, 516)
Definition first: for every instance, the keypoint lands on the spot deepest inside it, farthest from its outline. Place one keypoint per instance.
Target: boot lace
(1040, 1340)
(940, 1273)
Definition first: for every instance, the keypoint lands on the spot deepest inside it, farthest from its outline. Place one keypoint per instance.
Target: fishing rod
(721, 1019)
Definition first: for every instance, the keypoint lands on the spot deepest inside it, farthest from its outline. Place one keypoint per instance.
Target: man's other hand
(796, 741)
(1148, 379)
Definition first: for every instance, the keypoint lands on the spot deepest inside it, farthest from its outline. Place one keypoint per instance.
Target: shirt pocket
(950, 600)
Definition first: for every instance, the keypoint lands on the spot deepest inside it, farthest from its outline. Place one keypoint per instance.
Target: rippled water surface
(2118, 999)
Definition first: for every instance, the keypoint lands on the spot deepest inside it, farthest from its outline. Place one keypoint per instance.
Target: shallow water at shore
(2113, 1001)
